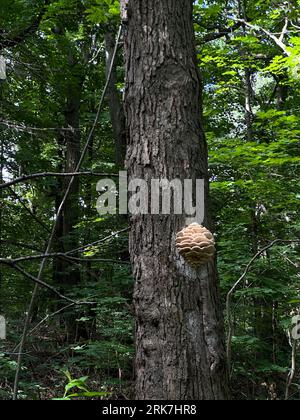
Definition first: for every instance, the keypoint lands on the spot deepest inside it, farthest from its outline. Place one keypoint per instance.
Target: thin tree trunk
(282, 92)
(179, 331)
(115, 105)
(71, 274)
(248, 73)
(67, 274)
(248, 105)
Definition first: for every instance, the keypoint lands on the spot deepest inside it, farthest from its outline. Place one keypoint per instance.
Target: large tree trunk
(179, 331)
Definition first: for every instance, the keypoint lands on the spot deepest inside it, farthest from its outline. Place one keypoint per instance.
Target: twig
(278, 41)
(18, 198)
(42, 283)
(22, 127)
(221, 32)
(103, 260)
(15, 350)
(295, 26)
(11, 261)
(234, 287)
(291, 262)
(60, 209)
(84, 247)
(53, 174)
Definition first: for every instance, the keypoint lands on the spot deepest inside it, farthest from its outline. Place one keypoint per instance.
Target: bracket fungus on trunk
(196, 244)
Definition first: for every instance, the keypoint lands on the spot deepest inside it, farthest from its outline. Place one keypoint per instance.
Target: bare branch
(58, 255)
(278, 41)
(103, 260)
(43, 321)
(18, 127)
(295, 265)
(26, 178)
(284, 29)
(84, 247)
(295, 26)
(17, 197)
(38, 281)
(221, 33)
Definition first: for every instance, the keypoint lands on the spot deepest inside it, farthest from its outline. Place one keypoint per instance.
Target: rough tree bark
(179, 331)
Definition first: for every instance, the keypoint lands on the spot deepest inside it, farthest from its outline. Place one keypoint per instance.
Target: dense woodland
(83, 88)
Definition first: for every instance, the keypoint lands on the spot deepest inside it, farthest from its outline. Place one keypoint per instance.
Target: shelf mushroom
(196, 244)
